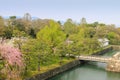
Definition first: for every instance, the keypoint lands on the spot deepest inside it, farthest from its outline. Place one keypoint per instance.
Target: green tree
(40, 51)
(20, 25)
(52, 35)
(113, 37)
(8, 32)
(1, 22)
(36, 54)
(32, 33)
(12, 20)
(38, 24)
(101, 31)
(84, 41)
(83, 21)
(69, 27)
(2, 27)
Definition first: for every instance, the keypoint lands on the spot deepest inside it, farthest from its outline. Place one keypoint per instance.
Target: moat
(89, 71)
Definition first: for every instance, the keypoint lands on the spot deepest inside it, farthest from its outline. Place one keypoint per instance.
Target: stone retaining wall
(113, 65)
(116, 47)
(103, 51)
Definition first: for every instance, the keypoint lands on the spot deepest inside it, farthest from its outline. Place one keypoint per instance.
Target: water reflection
(113, 76)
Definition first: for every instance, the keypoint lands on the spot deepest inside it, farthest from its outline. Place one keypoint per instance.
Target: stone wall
(113, 65)
(103, 51)
(55, 71)
(116, 47)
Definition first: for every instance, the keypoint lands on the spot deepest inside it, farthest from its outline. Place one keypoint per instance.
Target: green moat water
(89, 71)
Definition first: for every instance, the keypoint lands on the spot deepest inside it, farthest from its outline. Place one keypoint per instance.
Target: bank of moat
(113, 63)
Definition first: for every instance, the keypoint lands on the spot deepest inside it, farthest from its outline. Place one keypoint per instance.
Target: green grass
(45, 68)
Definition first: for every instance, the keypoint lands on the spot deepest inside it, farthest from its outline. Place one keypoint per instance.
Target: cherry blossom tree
(13, 62)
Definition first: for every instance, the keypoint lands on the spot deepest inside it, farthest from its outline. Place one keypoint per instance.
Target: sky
(103, 11)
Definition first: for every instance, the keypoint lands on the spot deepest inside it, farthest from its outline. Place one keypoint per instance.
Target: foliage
(52, 34)
(18, 33)
(12, 62)
(83, 21)
(41, 51)
(69, 27)
(1, 26)
(35, 53)
(113, 37)
(8, 32)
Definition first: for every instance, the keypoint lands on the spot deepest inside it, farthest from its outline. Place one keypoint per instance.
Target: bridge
(94, 58)
(113, 63)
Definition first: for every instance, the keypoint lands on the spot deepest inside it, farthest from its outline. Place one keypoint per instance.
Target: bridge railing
(94, 58)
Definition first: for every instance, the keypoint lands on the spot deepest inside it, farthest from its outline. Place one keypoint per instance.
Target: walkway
(94, 58)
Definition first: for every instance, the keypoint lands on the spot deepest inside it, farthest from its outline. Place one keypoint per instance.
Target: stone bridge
(113, 63)
(94, 58)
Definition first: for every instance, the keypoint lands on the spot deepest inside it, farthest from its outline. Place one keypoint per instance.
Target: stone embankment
(114, 63)
(116, 47)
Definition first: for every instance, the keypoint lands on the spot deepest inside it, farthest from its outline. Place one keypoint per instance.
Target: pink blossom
(11, 55)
